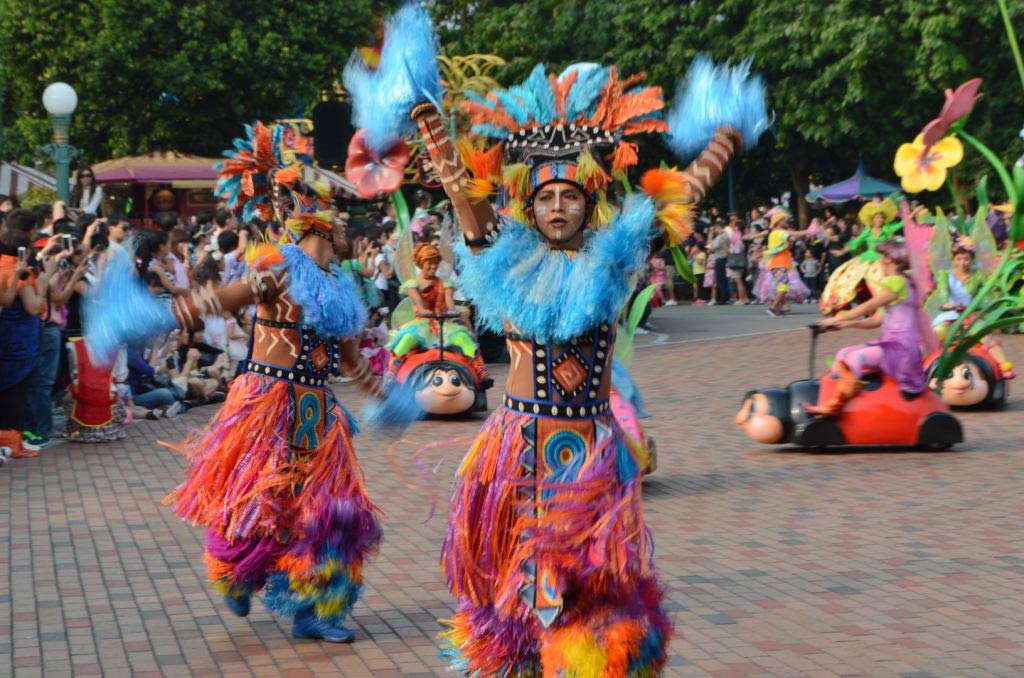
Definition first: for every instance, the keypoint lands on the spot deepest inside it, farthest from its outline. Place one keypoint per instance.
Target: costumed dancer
(274, 476)
(860, 277)
(560, 582)
(782, 282)
(897, 308)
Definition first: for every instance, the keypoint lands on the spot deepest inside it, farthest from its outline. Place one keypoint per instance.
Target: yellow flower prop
(924, 169)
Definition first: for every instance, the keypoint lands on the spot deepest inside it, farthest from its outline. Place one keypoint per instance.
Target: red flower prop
(371, 174)
(958, 104)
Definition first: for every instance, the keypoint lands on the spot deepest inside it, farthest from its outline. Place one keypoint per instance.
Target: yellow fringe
(517, 211)
(517, 178)
(602, 211)
(589, 172)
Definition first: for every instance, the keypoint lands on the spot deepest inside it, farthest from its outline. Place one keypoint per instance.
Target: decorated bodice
(571, 379)
(432, 294)
(297, 329)
(284, 348)
(865, 245)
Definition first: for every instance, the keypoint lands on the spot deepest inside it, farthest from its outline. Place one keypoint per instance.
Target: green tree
(158, 74)
(846, 79)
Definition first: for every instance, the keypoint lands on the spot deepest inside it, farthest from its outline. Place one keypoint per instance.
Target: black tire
(939, 431)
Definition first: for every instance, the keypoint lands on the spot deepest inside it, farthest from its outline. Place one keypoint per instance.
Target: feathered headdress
(244, 177)
(570, 127)
(266, 155)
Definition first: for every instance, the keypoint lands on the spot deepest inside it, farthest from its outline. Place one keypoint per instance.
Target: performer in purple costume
(896, 308)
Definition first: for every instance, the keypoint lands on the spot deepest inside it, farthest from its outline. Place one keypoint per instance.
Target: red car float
(880, 414)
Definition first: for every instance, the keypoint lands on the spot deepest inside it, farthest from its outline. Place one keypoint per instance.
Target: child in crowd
(809, 272)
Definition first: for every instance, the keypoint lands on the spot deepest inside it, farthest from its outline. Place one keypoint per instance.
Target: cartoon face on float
(968, 385)
(444, 389)
(763, 418)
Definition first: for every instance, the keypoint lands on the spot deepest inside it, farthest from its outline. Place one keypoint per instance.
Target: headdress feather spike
(712, 97)
(383, 98)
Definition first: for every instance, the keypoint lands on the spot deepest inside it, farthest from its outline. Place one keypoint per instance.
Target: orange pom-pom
(669, 189)
(665, 185)
(484, 166)
(262, 256)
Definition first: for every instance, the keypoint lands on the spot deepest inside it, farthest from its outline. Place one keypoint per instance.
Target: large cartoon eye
(455, 380)
(966, 373)
(437, 380)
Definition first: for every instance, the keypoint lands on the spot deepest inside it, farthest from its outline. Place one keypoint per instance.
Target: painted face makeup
(559, 212)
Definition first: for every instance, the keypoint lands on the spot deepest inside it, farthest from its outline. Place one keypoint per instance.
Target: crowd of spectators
(51, 255)
(726, 255)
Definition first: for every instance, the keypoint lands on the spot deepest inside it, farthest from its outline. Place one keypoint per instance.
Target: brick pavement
(776, 563)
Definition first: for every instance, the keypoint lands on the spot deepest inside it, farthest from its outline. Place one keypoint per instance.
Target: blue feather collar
(330, 304)
(546, 294)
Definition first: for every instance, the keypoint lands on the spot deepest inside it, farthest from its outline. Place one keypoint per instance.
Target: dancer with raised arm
(274, 476)
(547, 552)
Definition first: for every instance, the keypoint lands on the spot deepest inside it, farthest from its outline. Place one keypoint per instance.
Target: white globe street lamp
(60, 100)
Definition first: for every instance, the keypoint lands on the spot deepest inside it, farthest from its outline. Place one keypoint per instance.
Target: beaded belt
(563, 411)
(283, 373)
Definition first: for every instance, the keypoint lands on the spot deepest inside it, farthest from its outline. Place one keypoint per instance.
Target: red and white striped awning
(16, 179)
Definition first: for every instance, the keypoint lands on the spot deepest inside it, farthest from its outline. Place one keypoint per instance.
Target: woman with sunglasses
(87, 196)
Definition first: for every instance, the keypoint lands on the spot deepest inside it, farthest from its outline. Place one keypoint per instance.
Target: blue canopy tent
(858, 187)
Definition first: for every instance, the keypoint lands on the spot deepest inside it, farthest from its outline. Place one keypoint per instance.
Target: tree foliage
(846, 78)
(154, 74)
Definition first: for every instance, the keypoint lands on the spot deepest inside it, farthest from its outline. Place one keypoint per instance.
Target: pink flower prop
(372, 174)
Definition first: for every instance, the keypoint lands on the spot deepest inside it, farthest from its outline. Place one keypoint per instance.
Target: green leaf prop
(401, 210)
(682, 265)
(626, 339)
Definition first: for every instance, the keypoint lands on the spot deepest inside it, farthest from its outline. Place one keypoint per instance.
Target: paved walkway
(776, 562)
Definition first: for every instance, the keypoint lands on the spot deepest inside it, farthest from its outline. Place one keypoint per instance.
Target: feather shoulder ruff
(329, 303)
(545, 293)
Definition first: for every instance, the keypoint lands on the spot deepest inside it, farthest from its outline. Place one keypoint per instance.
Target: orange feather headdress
(569, 127)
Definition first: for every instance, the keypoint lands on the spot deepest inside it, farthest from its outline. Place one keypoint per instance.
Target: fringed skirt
(275, 479)
(548, 556)
(768, 282)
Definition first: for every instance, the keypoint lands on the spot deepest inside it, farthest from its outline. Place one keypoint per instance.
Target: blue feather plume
(382, 99)
(119, 310)
(510, 100)
(542, 100)
(545, 294)
(586, 90)
(712, 96)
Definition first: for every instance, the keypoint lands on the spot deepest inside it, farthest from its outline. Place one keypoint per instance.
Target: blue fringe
(330, 304)
(382, 99)
(397, 410)
(545, 294)
(282, 600)
(710, 97)
(120, 310)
